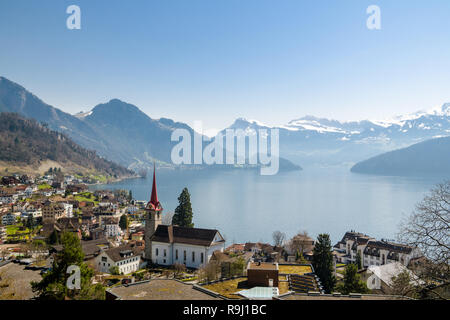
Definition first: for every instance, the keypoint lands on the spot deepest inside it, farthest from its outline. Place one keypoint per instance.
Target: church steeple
(154, 203)
(153, 218)
(154, 197)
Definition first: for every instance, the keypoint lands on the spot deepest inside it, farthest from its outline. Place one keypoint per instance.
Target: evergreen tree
(183, 213)
(30, 222)
(323, 262)
(352, 281)
(123, 222)
(53, 285)
(358, 260)
(53, 238)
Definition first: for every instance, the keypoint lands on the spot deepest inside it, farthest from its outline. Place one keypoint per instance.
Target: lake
(245, 206)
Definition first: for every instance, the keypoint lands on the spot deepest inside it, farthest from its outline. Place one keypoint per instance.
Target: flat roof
(160, 289)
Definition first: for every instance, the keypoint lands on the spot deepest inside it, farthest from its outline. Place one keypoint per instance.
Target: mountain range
(121, 132)
(317, 141)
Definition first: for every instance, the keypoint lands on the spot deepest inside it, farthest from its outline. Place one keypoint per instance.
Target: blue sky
(216, 60)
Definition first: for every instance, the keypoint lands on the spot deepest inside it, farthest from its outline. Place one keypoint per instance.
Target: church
(168, 245)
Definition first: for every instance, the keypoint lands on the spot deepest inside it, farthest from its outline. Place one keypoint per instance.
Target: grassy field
(14, 233)
(86, 196)
(44, 186)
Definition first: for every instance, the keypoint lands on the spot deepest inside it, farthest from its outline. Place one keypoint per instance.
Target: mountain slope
(26, 143)
(431, 157)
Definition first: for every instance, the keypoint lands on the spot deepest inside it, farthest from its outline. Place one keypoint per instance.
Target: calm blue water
(245, 206)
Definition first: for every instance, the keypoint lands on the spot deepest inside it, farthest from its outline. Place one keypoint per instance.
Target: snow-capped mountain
(318, 140)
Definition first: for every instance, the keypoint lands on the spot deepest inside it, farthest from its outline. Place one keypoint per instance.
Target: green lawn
(44, 186)
(85, 196)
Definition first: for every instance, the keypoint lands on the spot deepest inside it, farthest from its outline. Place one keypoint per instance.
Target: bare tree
(428, 229)
(167, 219)
(209, 272)
(278, 238)
(301, 243)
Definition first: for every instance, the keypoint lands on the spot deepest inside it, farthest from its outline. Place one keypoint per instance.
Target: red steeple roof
(154, 198)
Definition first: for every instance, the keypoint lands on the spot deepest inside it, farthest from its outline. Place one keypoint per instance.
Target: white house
(8, 198)
(68, 209)
(374, 252)
(192, 247)
(127, 258)
(380, 277)
(111, 226)
(28, 192)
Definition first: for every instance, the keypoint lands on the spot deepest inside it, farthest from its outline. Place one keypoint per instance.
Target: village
(135, 251)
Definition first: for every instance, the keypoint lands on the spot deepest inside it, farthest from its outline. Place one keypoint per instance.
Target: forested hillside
(25, 141)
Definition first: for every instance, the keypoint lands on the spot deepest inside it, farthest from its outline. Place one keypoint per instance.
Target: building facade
(126, 258)
(374, 252)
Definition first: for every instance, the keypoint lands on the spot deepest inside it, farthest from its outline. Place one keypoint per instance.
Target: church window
(193, 256)
(201, 257)
(176, 254)
(157, 251)
(184, 255)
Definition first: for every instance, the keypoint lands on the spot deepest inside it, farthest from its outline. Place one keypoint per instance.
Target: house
(51, 212)
(112, 228)
(3, 234)
(236, 248)
(126, 258)
(62, 225)
(262, 274)
(88, 218)
(372, 251)
(253, 247)
(9, 219)
(379, 278)
(68, 209)
(8, 198)
(76, 188)
(192, 247)
(97, 233)
(9, 180)
(168, 245)
(28, 192)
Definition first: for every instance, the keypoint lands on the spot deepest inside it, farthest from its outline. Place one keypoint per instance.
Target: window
(201, 257)
(193, 256)
(157, 251)
(184, 255)
(176, 254)
(104, 259)
(165, 253)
